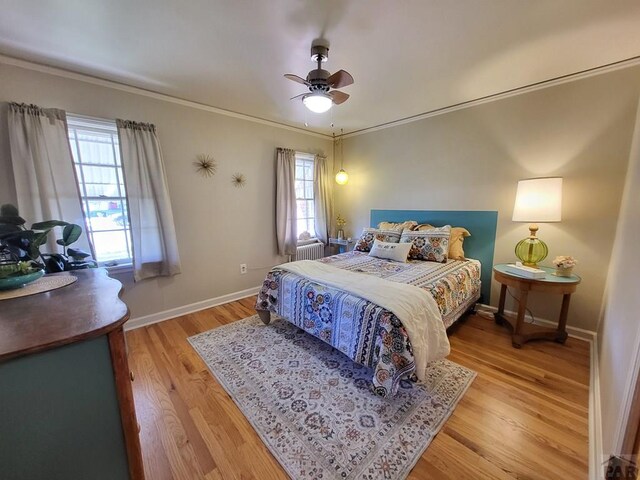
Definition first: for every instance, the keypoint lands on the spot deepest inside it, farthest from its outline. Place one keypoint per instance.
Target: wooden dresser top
(85, 309)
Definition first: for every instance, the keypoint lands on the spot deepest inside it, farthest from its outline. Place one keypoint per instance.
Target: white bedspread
(415, 307)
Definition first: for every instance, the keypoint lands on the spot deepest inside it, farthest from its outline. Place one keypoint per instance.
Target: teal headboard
(481, 224)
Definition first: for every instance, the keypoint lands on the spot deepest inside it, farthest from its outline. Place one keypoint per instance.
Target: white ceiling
(407, 56)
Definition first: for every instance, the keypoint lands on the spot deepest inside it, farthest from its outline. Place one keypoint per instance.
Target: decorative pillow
(456, 240)
(409, 224)
(431, 245)
(365, 242)
(392, 251)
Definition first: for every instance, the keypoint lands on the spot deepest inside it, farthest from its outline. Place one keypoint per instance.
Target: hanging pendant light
(341, 177)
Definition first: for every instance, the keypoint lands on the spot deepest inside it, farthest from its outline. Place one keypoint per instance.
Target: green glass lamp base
(531, 251)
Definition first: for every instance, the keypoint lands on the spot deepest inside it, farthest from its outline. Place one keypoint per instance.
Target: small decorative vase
(564, 272)
(340, 234)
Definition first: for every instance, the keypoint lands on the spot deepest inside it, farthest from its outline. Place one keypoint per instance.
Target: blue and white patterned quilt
(364, 331)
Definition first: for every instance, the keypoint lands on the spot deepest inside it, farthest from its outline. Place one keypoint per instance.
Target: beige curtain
(323, 198)
(153, 234)
(45, 179)
(286, 208)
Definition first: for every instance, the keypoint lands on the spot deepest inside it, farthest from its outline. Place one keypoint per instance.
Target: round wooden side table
(523, 332)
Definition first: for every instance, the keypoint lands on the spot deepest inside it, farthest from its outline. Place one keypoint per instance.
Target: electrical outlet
(243, 268)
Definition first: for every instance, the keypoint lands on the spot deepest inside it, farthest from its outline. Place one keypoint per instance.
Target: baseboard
(574, 332)
(627, 400)
(186, 309)
(596, 457)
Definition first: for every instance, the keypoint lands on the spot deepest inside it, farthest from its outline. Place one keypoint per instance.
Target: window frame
(307, 158)
(79, 123)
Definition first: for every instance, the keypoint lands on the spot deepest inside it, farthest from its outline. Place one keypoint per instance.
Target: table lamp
(537, 200)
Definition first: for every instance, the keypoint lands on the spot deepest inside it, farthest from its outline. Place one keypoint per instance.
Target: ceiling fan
(320, 97)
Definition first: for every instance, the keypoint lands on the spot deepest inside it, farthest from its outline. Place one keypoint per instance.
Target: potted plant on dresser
(22, 262)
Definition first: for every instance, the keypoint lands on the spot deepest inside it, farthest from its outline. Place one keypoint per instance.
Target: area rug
(313, 407)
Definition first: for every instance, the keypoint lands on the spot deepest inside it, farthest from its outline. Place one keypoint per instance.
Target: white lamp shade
(318, 102)
(538, 200)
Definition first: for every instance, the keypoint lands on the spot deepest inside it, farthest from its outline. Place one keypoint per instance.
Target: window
(96, 156)
(304, 193)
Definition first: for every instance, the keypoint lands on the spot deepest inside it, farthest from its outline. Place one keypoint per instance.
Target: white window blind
(304, 193)
(96, 156)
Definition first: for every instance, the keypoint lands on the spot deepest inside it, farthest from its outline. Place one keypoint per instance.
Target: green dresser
(66, 404)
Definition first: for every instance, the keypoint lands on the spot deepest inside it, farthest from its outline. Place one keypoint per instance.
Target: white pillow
(391, 251)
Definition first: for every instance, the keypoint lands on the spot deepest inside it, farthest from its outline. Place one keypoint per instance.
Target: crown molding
(60, 72)
(571, 77)
(552, 82)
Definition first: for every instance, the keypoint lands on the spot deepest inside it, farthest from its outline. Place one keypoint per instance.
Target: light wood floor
(525, 415)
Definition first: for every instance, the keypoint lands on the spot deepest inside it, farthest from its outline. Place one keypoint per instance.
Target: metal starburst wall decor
(238, 180)
(206, 165)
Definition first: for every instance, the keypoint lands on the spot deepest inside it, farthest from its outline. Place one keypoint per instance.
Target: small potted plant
(23, 244)
(15, 273)
(564, 265)
(341, 222)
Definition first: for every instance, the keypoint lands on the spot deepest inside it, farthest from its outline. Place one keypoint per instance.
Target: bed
(365, 331)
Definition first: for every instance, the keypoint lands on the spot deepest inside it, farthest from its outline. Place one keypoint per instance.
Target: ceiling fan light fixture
(322, 85)
(318, 102)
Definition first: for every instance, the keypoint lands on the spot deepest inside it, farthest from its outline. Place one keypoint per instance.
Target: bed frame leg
(265, 316)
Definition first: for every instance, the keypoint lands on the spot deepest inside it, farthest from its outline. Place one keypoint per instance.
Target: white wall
(218, 225)
(471, 159)
(619, 329)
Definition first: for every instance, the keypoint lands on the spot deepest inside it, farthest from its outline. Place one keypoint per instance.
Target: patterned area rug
(313, 408)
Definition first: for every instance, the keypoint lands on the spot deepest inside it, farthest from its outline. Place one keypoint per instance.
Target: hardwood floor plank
(159, 408)
(157, 466)
(487, 331)
(453, 460)
(214, 475)
(554, 414)
(527, 429)
(217, 445)
(525, 415)
(540, 387)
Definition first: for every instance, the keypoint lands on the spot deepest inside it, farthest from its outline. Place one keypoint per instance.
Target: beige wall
(619, 329)
(471, 159)
(218, 225)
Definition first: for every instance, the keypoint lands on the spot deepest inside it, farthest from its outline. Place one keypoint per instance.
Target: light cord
(341, 149)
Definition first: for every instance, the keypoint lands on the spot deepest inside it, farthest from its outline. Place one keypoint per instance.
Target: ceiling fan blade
(338, 97)
(296, 78)
(340, 79)
(298, 96)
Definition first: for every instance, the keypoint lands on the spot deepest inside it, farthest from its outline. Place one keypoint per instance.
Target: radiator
(312, 251)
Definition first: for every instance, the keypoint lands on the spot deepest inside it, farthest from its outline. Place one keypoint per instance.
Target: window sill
(124, 268)
(311, 241)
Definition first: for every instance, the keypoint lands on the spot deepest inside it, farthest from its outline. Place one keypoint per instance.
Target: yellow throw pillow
(409, 225)
(424, 226)
(456, 240)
